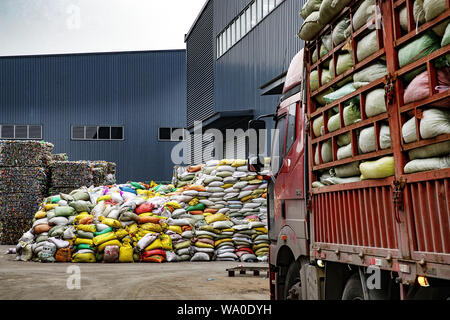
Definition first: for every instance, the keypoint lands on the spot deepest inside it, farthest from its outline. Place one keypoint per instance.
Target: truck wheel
(353, 289)
(292, 287)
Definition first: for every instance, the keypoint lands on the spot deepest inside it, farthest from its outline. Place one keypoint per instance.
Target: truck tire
(353, 289)
(292, 287)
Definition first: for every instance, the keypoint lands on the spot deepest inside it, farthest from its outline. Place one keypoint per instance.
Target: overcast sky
(29, 27)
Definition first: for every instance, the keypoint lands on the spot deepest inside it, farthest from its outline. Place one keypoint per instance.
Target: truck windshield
(278, 145)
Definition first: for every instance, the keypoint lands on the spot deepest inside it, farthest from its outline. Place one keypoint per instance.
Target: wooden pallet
(243, 270)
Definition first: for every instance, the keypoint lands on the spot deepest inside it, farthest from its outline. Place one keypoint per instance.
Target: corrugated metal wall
(200, 68)
(140, 91)
(260, 56)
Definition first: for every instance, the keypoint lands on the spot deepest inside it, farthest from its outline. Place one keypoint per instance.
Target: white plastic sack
(366, 140)
(434, 123)
(344, 152)
(367, 46)
(347, 170)
(420, 165)
(409, 130)
(385, 137)
(430, 151)
(371, 73)
(363, 14)
(375, 102)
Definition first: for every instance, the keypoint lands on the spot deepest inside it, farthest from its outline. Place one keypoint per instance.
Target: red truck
(385, 238)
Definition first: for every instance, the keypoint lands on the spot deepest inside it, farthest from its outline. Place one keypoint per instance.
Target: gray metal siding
(260, 56)
(200, 70)
(141, 91)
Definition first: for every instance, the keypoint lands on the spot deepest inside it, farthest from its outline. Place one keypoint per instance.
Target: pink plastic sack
(418, 88)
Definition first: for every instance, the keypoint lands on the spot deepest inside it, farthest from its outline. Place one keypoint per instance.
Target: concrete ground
(152, 281)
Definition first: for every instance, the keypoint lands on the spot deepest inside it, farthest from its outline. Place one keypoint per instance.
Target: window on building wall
(254, 16)
(25, 132)
(224, 42)
(278, 1)
(228, 38)
(102, 133)
(272, 4)
(265, 8)
(248, 18)
(233, 33)
(167, 134)
(243, 25)
(259, 10)
(238, 29)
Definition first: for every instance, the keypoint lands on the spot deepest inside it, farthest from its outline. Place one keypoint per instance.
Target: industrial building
(116, 107)
(238, 52)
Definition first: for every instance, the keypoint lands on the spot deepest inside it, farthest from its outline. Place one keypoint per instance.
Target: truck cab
(288, 223)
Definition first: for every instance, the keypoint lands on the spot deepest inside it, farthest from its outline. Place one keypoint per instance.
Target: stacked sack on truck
(23, 185)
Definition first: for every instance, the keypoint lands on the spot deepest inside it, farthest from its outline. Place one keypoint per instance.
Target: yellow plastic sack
(222, 240)
(81, 216)
(50, 206)
(83, 258)
(157, 244)
(151, 227)
(260, 245)
(193, 202)
(40, 215)
(228, 185)
(141, 233)
(238, 163)
(244, 199)
(228, 230)
(87, 227)
(142, 192)
(126, 252)
(104, 237)
(121, 233)
(215, 217)
(203, 245)
(133, 229)
(166, 242)
(83, 241)
(261, 229)
(173, 204)
(110, 222)
(381, 168)
(227, 162)
(104, 198)
(101, 247)
(176, 229)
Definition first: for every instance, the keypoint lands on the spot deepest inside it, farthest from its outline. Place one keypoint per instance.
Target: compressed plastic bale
(375, 102)
(309, 7)
(339, 31)
(367, 46)
(409, 130)
(430, 151)
(344, 152)
(334, 123)
(330, 8)
(25, 153)
(30, 180)
(433, 8)
(363, 14)
(344, 62)
(418, 48)
(310, 27)
(419, 89)
(371, 73)
(434, 122)
(385, 137)
(336, 95)
(419, 165)
(352, 114)
(347, 170)
(381, 168)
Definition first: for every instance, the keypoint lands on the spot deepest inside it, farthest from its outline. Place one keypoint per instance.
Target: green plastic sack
(346, 170)
(430, 151)
(309, 7)
(85, 234)
(80, 206)
(365, 11)
(371, 73)
(310, 27)
(319, 98)
(137, 185)
(338, 94)
(57, 231)
(367, 46)
(317, 126)
(80, 195)
(64, 211)
(375, 102)
(344, 62)
(433, 8)
(420, 165)
(199, 207)
(55, 199)
(339, 31)
(381, 168)
(418, 48)
(334, 123)
(352, 114)
(446, 38)
(82, 246)
(314, 79)
(330, 8)
(344, 139)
